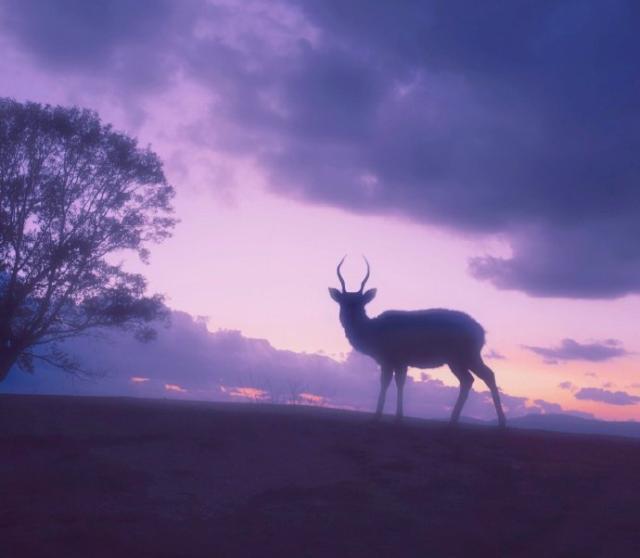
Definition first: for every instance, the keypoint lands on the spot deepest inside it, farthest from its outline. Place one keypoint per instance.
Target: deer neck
(357, 327)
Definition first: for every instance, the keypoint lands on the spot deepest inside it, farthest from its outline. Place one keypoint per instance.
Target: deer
(398, 339)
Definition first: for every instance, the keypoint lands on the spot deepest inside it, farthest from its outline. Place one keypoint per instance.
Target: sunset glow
(464, 190)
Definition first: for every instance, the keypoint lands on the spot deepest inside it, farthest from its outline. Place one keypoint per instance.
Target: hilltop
(84, 476)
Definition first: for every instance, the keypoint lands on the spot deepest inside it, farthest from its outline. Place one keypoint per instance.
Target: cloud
(493, 355)
(136, 44)
(549, 408)
(572, 350)
(188, 361)
(567, 385)
(606, 396)
(509, 119)
(175, 387)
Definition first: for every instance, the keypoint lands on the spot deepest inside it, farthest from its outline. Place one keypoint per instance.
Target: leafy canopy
(72, 192)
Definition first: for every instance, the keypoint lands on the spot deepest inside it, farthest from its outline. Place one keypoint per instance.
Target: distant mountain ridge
(576, 425)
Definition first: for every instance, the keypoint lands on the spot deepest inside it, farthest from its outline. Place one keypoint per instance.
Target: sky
(483, 156)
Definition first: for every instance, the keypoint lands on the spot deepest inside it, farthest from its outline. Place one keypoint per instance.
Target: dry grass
(125, 477)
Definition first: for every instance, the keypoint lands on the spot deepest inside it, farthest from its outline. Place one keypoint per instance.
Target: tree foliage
(72, 192)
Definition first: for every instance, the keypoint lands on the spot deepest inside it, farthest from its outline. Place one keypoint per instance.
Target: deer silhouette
(422, 338)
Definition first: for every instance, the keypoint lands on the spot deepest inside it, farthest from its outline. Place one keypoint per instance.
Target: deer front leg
(386, 373)
(401, 376)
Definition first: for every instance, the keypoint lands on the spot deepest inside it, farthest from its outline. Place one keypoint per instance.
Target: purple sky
(483, 155)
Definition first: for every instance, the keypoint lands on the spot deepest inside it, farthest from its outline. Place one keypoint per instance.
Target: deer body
(421, 339)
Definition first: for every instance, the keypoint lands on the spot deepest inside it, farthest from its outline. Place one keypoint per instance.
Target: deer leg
(401, 376)
(466, 381)
(386, 374)
(488, 377)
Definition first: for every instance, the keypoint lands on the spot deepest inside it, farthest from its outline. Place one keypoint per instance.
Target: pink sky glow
(259, 259)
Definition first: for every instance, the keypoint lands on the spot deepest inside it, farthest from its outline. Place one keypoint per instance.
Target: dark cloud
(606, 396)
(138, 44)
(516, 118)
(188, 361)
(572, 350)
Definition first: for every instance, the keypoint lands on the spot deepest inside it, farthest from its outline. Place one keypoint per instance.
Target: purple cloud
(134, 44)
(567, 385)
(570, 349)
(188, 361)
(547, 407)
(606, 396)
(493, 354)
(517, 119)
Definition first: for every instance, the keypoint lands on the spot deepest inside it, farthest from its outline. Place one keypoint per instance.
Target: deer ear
(370, 295)
(334, 294)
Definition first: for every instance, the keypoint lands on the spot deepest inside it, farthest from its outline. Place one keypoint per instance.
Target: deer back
(424, 338)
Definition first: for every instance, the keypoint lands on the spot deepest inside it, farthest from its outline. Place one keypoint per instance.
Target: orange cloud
(246, 392)
(175, 387)
(312, 399)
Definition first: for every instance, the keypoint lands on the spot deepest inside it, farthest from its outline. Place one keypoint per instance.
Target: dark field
(124, 477)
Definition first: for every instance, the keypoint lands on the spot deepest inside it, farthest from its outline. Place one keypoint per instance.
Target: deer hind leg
(401, 377)
(466, 381)
(488, 377)
(386, 373)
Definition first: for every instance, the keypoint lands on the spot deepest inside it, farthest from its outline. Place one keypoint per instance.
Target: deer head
(354, 302)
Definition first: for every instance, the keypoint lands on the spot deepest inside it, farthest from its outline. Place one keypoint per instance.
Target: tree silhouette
(72, 192)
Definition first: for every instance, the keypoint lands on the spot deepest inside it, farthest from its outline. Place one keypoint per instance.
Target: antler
(364, 281)
(344, 287)
(366, 277)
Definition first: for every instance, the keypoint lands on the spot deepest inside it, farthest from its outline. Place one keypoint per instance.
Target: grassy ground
(124, 477)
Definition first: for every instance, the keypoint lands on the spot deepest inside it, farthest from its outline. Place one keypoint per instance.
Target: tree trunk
(7, 360)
